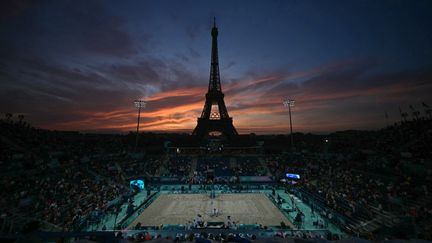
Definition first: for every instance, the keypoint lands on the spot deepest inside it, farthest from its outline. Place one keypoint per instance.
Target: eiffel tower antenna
(216, 120)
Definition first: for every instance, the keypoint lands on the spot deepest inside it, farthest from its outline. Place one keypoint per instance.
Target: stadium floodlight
(138, 104)
(290, 103)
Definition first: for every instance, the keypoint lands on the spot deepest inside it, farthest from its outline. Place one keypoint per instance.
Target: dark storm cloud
(340, 95)
(146, 71)
(95, 29)
(41, 90)
(91, 27)
(13, 8)
(74, 28)
(357, 80)
(98, 97)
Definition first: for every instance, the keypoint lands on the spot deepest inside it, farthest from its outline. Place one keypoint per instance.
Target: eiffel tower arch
(214, 117)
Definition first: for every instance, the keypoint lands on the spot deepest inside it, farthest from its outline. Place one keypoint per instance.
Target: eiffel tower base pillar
(224, 126)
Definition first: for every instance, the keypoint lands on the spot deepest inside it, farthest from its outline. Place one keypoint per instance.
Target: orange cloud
(256, 105)
(193, 91)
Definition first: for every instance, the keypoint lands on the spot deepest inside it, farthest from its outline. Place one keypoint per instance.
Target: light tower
(138, 104)
(290, 103)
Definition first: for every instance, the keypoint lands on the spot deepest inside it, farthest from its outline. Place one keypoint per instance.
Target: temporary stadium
(213, 182)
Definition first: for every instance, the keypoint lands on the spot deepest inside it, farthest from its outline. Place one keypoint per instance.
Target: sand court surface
(244, 208)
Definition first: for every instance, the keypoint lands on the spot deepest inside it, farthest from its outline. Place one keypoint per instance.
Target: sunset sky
(80, 64)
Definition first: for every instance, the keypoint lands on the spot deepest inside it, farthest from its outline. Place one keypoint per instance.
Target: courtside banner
(256, 179)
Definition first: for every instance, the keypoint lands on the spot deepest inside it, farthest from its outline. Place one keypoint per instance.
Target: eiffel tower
(214, 117)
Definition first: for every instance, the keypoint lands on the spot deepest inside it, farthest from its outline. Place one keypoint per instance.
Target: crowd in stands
(63, 177)
(179, 166)
(390, 174)
(62, 195)
(150, 166)
(220, 166)
(240, 237)
(249, 166)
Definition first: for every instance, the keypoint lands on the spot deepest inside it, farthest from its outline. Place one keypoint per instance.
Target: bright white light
(140, 103)
(288, 102)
